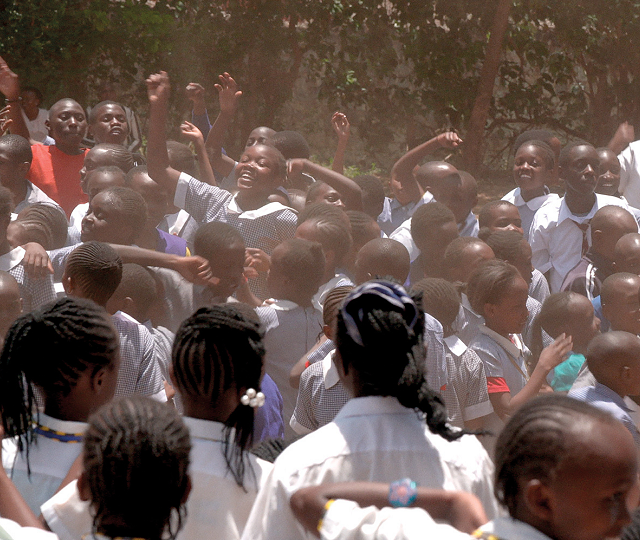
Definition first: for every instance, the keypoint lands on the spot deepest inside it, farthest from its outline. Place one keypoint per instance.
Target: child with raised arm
(261, 170)
(340, 124)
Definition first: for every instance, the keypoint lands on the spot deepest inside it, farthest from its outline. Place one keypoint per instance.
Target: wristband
(402, 493)
(327, 505)
(13, 100)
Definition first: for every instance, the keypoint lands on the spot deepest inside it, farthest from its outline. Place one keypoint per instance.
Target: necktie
(584, 227)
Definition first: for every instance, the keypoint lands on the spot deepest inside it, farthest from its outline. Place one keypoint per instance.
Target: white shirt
(77, 215)
(10, 529)
(34, 195)
(403, 235)
(527, 209)
(629, 160)
(372, 439)
(393, 213)
(50, 460)
(339, 280)
(556, 241)
(469, 227)
(37, 128)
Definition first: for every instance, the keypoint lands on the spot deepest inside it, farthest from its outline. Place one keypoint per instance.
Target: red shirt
(58, 175)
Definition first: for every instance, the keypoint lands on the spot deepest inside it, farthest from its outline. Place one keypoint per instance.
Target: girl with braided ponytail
(394, 426)
(67, 354)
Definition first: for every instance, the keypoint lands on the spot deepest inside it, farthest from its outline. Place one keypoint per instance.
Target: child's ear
(326, 330)
(539, 500)
(68, 284)
(97, 380)
(626, 372)
(83, 487)
(24, 168)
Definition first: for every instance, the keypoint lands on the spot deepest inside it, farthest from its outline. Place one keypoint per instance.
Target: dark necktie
(584, 227)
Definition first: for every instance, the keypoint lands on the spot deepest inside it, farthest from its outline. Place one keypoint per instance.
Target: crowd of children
(194, 346)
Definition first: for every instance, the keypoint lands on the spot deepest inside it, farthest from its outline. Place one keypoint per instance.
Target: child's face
(529, 169)
(523, 261)
(11, 170)
(259, 136)
(582, 324)
(103, 222)
(257, 171)
(593, 492)
(327, 194)
(228, 267)
(110, 125)
(509, 315)
(579, 173)
(405, 193)
(505, 218)
(623, 308)
(608, 173)
(67, 123)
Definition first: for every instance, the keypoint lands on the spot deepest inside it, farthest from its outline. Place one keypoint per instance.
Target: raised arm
(10, 87)
(341, 126)
(624, 135)
(192, 133)
(349, 191)
(160, 170)
(199, 116)
(228, 95)
(402, 170)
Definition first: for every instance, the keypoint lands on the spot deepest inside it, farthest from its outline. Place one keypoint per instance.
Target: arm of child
(341, 126)
(350, 192)
(301, 365)
(505, 404)
(624, 135)
(5, 121)
(462, 510)
(160, 170)
(10, 87)
(199, 116)
(228, 95)
(194, 135)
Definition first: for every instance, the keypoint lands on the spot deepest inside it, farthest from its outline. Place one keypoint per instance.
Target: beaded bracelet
(402, 493)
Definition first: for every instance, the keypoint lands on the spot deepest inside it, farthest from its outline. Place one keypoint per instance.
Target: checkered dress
(34, 292)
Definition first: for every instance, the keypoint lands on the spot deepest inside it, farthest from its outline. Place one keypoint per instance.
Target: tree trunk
(473, 147)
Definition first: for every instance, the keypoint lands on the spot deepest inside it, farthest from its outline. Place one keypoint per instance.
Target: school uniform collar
(265, 210)
(11, 259)
(372, 406)
(467, 307)
(126, 317)
(602, 264)
(456, 346)
(330, 371)
(205, 429)
(283, 305)
(535, 203)
(64, 426)
(509, 528)
(609, 394)
(514, 349)
(565, 213)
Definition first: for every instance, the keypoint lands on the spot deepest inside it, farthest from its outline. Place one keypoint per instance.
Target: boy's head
(441, 179)
(259, 135)
(223, 246)
(465, 198)
(463, 255)
(364, 228)
(138, 180)
(103, 178)
(105, 155)
(42, 223)
(433, 228)
(539, 135)
(136, 294)
(511, 246)
(499, 215)
(108, 123)
(67, 125)
(331, 234)
(620, 296)
(92, 271)
(323, 193)
(321, 210)
(438, 298)
(291, 144)
(116, 215)
(181, 158)
(15, 160)
(626, 254)
(382, 258)
(32, 98)
(297, 270)
(10, 302)
(579, 162)
(608, 225)
(567, 468)
(533, 168)
(261, 170)
(608, 172)
(372, 194)
(614, 360)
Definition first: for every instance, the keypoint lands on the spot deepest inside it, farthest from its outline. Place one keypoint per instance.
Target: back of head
(333, 302)
(332, 235)
(136, 461)
(429, 217)
(506, 245)
(455, 253)
(96, 270)
(44, 222)
(302, 262)
(363, 228)
(137, 284)
(433, 172)
(50, 348)
(216, 349)
(291, 144)
(383, 258)
(608, 353)
(215, 237)
(554, 312)
(372, 194)
(533, 135)
(536, 442)
(114, 155)
(17, 148)
(321, 209)
(181, 158)
(611, 284)
(131, 205)
(438, 298)
(489, 282)
(117, 177)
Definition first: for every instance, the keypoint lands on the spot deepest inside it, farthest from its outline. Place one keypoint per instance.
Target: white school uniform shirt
(527, 209)
(77, 215)
(49, 458)
(469, 227)
(629, 160)
(180, 224)
(394, 214)
(35, 195)
(37, 127)
(556, 239)
(12, 530)
(339, 280)
(403, 235)
(217, 508)
(345, 520)
(34, 292)
(372, 439)
(290, 331)
(539, 286)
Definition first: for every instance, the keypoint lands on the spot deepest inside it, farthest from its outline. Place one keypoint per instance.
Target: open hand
(257, 259)
(36, 261)
(196, 269)
(340, 124)
(228, 93)
(9, 82)
(557, 352)
(191, 132)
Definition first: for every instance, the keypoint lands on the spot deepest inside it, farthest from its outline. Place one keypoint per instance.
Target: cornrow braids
(216, 349)
(45, 222)
(114, 154)
(438, 298)
(537, 440)
(97, 270)
(332, 303)
(50, 348)
(390, 361)
(506, 245)
(136, 460)
(130, 204)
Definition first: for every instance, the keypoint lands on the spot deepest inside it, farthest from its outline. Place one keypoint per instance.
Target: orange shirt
(58, 175)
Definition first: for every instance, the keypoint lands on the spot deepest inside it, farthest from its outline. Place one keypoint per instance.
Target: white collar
(514, 349)
(466, 305)
(65, 426)
(330, 371)
(206, 429)
(601, 200)
(126, 317)
(373, 406)
(282, 305)
(11, 259)
(510, 528)
(456, 346)
(269, 208)
(536, 202)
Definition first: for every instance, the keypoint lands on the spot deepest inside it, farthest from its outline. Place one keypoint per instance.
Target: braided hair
(216, 349)
(537, 440)
(438, 298)
(97, 270)
(45, 224)
(506, 244)
(384, 344)
(136, 460)
(114, 154)
(50, 348)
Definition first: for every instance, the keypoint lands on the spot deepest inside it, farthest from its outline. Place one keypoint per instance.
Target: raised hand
(191, 133)
(449, 139)
(9, 82)
(557, 352)
(5, 122)
(158, 88)
(340, 124)
(195, 92)
(228, 94)
(257, 259)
